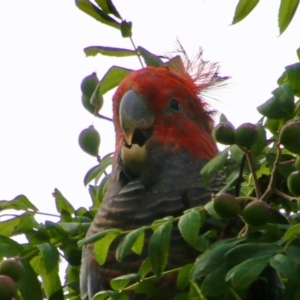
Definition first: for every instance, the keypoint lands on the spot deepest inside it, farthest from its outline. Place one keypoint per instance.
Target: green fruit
(87, 104)
(226, 206)
(246, 135)
(224, 133)
(257, 213)
(293, 183)
(12, 268)
(89, 141)
(88, 85)
(289, 137)
(8, 288)
(297, 163)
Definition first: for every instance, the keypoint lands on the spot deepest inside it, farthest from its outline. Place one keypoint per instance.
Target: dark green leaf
(244, 274)
(50, 256)
(214, 284)
(189, 225)
(29, 284)
(121, 282)
(101, 246)
(211, 259)
(62, 204)
(282, 79)
(20, 202)
(108, 51)
(283, 265)
(298, 53)
(243, 9)
(108, 7)
(293, 253)
(159, 247)
(112, 78)
(98, 170)
(292, 232)
(8, 247)
(126, 29)
(287, 10)
(150, 58)
(293, 74)
(183, 277)
(281, 105)
(214, 165)
(98, 14)
(127, 242)
(243, 252)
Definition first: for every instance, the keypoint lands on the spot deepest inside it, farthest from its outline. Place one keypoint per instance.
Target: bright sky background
(42, 65)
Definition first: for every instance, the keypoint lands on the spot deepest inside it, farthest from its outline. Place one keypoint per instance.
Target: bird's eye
(174, 104)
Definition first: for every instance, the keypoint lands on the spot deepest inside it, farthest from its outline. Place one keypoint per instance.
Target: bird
(163, 137)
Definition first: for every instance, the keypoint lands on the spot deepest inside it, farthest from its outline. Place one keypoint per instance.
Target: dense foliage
(262, 166)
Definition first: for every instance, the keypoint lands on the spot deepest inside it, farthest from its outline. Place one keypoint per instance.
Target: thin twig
(283, 195)
(104, 118)
(137, 53)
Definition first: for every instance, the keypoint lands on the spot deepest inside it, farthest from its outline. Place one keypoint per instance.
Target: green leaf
(243, 9)
(214, 165)
(112, 78)
(244, 274)
(101, 246)
(20, 202)
(105, 294)
(127, 242)
(98, 170)
(26, 223)
(189, 225)
(150, 58)
(98, 14)
(243, 252)
(29, 284)
(9, 248)
(121, 282)
(126, 29)
(214, 284)
(50, 256)
(108, 51)
(8, 227)
(211, 259)
(159, 247)
(95, 237)
(145, 268)
(62, 204)
(293, 74)
(183, 277)
(292, 232)
(137, 247)
(298, 53)
(281, 105)
(287, 10)
(108, 7)
(52, 285)
(284, 265)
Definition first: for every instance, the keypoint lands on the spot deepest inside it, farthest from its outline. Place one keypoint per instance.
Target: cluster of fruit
(256, 213)
(11, 270)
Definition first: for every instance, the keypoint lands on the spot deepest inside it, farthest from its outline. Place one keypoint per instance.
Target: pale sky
(42, 64)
